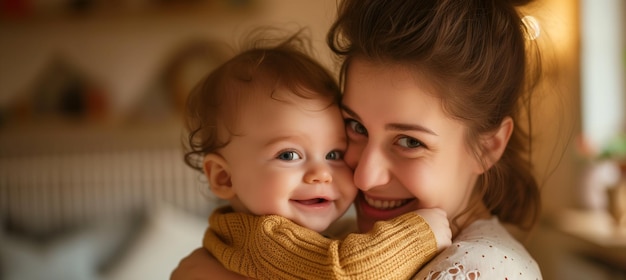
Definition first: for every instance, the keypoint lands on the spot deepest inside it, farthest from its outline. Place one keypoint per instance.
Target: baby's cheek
(346, 182)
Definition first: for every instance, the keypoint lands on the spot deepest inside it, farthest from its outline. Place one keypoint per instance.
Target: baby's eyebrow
(286, 138)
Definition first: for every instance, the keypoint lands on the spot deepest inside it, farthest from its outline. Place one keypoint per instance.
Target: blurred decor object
(60, 92)
(617, 204)
(601, 172)
(190, 64)
(617, 194)
(615, 151)
(167, 94)
(598, 176)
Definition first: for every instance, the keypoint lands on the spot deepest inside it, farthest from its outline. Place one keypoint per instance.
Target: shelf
(95, 9)
(595, 234)
(72, 138)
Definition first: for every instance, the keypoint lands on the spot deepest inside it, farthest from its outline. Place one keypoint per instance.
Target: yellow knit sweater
(273, 247)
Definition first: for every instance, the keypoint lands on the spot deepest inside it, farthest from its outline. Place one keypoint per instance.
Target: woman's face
(407, 154)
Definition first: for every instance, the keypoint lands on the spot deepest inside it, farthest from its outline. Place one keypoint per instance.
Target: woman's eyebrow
(411, 127)
(350, 112)
(394, 126)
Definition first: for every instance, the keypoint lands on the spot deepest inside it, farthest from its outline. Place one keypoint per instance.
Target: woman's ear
(494, 144)
(217, 171)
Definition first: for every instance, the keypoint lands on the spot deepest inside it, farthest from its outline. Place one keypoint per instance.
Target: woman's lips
(382, 204)
(383, 209)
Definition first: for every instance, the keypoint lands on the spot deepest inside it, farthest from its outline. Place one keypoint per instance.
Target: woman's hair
(266, 64)
(481, 60)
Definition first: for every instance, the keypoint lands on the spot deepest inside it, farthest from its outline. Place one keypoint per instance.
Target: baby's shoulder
(483, 250)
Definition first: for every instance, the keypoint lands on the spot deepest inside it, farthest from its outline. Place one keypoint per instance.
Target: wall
(125, 52)
(557, 105)
(604, 68)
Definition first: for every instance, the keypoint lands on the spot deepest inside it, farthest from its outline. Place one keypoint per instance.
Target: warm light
(533, 30)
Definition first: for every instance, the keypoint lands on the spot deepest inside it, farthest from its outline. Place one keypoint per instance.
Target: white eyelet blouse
(483, 250)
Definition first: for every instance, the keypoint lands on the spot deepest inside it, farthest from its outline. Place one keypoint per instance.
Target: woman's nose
(318, 174)
(371, 169)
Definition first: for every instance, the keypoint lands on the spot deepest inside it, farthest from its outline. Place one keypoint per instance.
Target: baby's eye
(289, 155)
(409, 142)
(355, 126)
(335, 155)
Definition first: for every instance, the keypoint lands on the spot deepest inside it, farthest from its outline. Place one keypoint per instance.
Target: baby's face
(287, 159)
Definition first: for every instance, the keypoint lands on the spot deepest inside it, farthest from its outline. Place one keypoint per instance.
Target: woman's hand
(201, 265)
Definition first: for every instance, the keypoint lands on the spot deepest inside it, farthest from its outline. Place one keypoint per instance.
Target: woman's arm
(200, 265)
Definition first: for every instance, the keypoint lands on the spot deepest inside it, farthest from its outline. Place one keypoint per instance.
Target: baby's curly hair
(269, 62)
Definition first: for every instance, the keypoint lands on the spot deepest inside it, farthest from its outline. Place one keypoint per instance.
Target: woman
(433, 91)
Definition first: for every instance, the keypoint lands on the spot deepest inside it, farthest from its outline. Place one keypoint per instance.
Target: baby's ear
(217, 171)
(495, 143)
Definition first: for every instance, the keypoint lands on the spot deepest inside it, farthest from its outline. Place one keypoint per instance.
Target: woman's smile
(386, 204)
(376, 209)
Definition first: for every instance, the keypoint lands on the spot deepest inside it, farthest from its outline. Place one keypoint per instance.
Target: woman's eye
(289, 155)
(356, 126)
(334, 155)
(409, 142)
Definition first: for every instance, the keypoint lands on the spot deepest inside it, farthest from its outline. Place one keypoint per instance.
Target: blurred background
(92, 181)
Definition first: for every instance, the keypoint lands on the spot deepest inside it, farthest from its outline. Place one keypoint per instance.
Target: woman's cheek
(422, 184)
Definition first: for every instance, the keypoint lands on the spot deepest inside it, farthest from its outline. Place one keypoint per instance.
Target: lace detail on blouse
(456, 272)
(484, 250)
